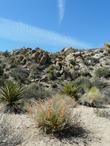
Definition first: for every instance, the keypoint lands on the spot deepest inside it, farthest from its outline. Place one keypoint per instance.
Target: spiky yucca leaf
(11, 92)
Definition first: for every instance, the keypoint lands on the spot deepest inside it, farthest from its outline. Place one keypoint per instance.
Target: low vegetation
(10, 94)
(104, 113)
(103, 72)
(69, 89)
(53, 115)
(92, 98)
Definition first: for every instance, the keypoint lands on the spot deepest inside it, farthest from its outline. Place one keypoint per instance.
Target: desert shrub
(10, 94)
(35, 91)
(82, 85)
(6, 53)
(34, 71)
(91, 61)
(51, 73)
(103, 72)
(20, 74)
(106, 92)
(72, 62)
(104, 113)
(94, 60)
(85, 73)
(52, 115)
(83, 82)
(1, 71)
(92, 98)
(69, 89)
(99, 84)
(8, 135)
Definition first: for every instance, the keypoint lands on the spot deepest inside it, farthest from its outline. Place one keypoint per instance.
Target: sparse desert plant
(1, 71)
(103, 72)
(8, 135)
(51, 73)
(6, 53)
(83, 82)
(10, 94)
(52, 115)
(35, 91)
(92, 98)
(20, 74)
(72, 62)
(69, 89)
(99, 83)
(104, 113)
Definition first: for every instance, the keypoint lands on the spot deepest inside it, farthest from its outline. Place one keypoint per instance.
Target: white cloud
(18, 31)
(61, 7)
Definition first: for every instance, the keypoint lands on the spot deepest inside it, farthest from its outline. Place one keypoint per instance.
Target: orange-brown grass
(53, 114)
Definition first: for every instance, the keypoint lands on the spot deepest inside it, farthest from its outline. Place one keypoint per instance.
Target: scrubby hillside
(55, 98)
(28, 66)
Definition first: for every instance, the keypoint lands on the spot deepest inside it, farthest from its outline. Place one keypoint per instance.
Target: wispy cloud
(18, 31)
(61, 7)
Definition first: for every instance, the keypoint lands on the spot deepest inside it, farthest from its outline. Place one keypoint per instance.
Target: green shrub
(35, 91)
(52, 115)
(72, 62)
(99, 84)
(51, 73)
(83, 82)
(92, 98)
(10, 94)
(20, 74)
(69, 89)
(103, 72)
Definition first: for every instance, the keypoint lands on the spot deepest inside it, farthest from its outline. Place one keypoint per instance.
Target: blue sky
(54, 24)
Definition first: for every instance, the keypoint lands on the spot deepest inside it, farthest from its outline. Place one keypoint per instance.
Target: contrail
(19, 31)
(61, 7)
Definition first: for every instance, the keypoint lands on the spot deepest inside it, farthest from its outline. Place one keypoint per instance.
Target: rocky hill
(28, 65)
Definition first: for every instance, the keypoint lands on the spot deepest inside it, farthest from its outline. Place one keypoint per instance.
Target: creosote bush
(52, 115)
(83, 82)
(92, 98)
(103, 72)
(10, 94)
(35, 91)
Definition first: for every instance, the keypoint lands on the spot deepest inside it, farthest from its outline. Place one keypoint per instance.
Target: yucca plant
(52, 115)
(10, 94)
(69, 89)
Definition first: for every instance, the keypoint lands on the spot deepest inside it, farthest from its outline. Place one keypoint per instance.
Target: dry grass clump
(53, 115)
(92, 98)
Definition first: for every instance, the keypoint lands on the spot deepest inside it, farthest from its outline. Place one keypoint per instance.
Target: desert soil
(96, 133)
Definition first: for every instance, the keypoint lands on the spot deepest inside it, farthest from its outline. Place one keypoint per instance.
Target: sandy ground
(96, 130)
